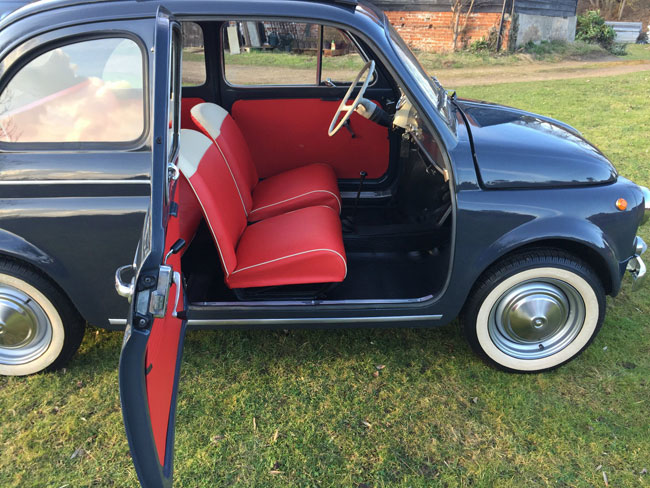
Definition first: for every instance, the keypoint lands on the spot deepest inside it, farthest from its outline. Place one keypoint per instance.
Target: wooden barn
(442, 25)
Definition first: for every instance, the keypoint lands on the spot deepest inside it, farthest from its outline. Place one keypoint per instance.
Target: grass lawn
(262, 408)
(547, 51)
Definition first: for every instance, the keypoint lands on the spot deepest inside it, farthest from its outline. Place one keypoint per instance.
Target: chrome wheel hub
(25, 330)
(536, 318)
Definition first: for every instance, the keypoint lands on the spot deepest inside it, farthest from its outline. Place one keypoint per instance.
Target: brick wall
(432, 31)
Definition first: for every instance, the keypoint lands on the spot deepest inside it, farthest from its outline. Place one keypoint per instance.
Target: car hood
(518, 149)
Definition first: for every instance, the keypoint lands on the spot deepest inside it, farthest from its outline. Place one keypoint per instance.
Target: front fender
(560, 228)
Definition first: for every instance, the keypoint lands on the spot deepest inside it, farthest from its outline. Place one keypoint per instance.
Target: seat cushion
(300, 247)
(302, 187)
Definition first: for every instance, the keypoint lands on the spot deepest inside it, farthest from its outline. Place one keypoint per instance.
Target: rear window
(88, 91)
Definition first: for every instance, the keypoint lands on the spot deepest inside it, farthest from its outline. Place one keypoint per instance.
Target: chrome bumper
(636, 266)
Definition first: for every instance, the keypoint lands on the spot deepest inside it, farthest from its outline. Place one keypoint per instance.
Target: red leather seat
(307, 186)
(299, 247)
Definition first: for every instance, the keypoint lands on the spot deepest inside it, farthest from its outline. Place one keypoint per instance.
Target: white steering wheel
(349, 109)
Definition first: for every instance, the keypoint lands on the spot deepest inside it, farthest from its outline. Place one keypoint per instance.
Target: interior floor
(371, 275)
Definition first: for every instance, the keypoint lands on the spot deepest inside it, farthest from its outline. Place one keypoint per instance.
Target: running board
(312, 320)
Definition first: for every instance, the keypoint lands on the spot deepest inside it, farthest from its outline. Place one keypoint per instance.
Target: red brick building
(428, 25)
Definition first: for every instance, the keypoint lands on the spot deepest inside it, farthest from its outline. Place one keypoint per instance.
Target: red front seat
(307, 186)
(298, 247)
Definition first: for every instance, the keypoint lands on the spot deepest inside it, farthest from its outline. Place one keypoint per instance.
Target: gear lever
(362, 176)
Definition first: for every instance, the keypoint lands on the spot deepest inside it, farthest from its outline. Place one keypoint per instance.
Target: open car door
(153, 341)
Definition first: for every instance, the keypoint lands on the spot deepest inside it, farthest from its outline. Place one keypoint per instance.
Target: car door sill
(310, 320)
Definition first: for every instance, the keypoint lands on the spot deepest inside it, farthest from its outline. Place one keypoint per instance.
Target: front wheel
(534, 311)
(39, 327)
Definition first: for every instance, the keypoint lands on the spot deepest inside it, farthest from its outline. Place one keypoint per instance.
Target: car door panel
(283, 134)
(162, 360)
(151, 350)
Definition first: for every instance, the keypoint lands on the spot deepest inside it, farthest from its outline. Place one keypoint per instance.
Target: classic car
(257, 196)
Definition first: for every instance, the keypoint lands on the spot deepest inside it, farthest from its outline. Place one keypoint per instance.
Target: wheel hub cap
(25, 330)
(537, 318)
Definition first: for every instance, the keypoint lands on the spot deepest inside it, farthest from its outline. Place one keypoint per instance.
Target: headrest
(209, 117)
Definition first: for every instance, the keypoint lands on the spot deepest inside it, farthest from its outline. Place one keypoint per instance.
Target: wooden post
(503, 13)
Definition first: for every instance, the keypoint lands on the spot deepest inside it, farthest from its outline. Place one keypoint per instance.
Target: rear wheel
(39, 327)
(534, 311)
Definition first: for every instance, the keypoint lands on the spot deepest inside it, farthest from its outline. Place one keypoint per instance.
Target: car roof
(14, 10)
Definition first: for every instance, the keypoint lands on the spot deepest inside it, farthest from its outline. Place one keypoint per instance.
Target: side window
(342, 61)
(270, 53)
(174, 94)
(287, 53)
(193, 54)
(88, 91)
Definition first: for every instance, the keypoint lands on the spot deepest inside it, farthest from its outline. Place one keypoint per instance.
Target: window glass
(90, 91)
(174, 94)
(193, 54)
(342, 61)
(270, 53)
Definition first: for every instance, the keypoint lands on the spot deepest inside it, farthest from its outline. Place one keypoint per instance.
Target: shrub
(591, 28)
(484, 45)
(479, 46)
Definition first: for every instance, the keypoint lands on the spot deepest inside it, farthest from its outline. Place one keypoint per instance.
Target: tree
(611, 9)
(458, 8)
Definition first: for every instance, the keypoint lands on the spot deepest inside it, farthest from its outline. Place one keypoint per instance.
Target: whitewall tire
(534, 311)
(39, 327)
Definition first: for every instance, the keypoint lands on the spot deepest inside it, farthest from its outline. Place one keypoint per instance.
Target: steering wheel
(349, 109)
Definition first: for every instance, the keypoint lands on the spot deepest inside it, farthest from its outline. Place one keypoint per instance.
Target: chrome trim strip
(351, 195)
(74, 182)
(290, 303)
(117, 321)
(314, 320)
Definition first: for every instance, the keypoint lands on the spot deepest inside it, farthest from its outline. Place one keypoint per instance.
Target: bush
(479, 46)
(485, 45)
(591, 28)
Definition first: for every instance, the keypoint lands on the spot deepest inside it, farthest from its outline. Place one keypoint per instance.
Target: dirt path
(449, 77)
(565, 70)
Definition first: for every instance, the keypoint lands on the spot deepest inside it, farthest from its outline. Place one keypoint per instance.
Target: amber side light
(621, 204)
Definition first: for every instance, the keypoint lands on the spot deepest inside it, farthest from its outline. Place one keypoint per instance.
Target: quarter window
(193, 54)
(89, 91)
(341, 58)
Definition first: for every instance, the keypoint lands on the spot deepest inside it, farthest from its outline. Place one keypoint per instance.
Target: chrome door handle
(177, 284)
(124, 289)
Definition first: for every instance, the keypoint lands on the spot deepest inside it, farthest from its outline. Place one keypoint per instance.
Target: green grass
(552, 51)
(639, 52)
(291, 60)
(254, 402)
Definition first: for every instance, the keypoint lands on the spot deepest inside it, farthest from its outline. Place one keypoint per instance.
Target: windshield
(430, 86)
